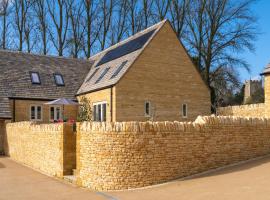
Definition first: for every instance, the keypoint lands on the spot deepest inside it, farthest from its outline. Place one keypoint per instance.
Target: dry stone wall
(42, 146)
(131, 154)
(253, 110)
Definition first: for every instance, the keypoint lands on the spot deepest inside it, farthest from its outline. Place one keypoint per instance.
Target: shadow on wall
(3, 139)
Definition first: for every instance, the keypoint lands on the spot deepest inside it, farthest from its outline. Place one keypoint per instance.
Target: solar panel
(92, 75)
(119, 69)
(126, 48)
(102, 75)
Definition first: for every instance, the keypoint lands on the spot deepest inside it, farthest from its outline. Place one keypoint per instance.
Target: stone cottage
(28, 81)
(148, 76)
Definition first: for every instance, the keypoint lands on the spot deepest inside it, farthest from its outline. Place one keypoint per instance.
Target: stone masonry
(252, 110)
(126, 155)
(49, 148)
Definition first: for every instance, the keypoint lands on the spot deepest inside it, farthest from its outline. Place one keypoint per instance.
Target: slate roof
(111, 59)
(15, 81)
(266, 69)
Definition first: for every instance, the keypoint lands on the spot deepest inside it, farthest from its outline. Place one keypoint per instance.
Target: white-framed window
(100, 111)
(147, 108)
(55, 113)
(36, 113)
(184, 110)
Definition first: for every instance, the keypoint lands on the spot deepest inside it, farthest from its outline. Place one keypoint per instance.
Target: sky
(261, 57)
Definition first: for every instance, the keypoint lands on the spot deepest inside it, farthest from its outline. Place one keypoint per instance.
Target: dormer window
(35, 79)
(59, 81)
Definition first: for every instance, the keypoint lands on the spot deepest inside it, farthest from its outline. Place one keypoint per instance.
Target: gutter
(111, 104)
(95, 90)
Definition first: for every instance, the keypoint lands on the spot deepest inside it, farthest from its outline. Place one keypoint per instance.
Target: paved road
(246, 181)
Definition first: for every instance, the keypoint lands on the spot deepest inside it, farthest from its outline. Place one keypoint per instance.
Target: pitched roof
(111, 64)
(266, 70)
(15, 80)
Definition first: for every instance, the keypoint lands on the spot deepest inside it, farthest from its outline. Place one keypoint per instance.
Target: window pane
(119, 69)
(39, 112)
(102, 75)
(184, 110)
(92, 75)
(58, 113)
(59, 79)
(52, 113)
(99, 112)
(35, 77)
(33, 116)
(104, 112)
(147, 108)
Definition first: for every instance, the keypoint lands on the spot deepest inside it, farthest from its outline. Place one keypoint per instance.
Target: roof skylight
(59, 80)
(35, 79)
(119, 69)
(92, 75)
(102, 75)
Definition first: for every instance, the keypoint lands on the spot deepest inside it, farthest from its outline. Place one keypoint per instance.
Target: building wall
(252, 110)
(267, 94)
(164, 75)
(136, 154)
(45, 147)
(22, 110)
(105, 95)
(2, 131)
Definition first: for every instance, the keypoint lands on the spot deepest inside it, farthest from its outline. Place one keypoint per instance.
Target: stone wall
(2, 131)
(252, 110)
(49, 148)
(129, 155)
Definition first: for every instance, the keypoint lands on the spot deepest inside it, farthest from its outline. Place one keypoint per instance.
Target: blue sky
(261, 57)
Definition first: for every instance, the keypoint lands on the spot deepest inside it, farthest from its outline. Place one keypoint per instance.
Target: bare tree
(177, 11)
(161, 9)
(59, 13)
(146, 13)
(195, 20)
(4, 12)
(21, 8)
(106, 13)
(119, 25)
(91, 26)
(77, 29)
(133, 16)
(41, 12)
(29, 34)
(217, 30)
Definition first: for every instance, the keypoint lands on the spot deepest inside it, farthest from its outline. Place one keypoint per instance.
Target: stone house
(148, 76)
(28, 81)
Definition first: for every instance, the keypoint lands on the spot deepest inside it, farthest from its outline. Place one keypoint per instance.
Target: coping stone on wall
(166, 126)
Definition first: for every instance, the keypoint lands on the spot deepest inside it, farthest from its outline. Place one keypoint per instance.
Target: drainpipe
(111, 104)
(13, 111)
